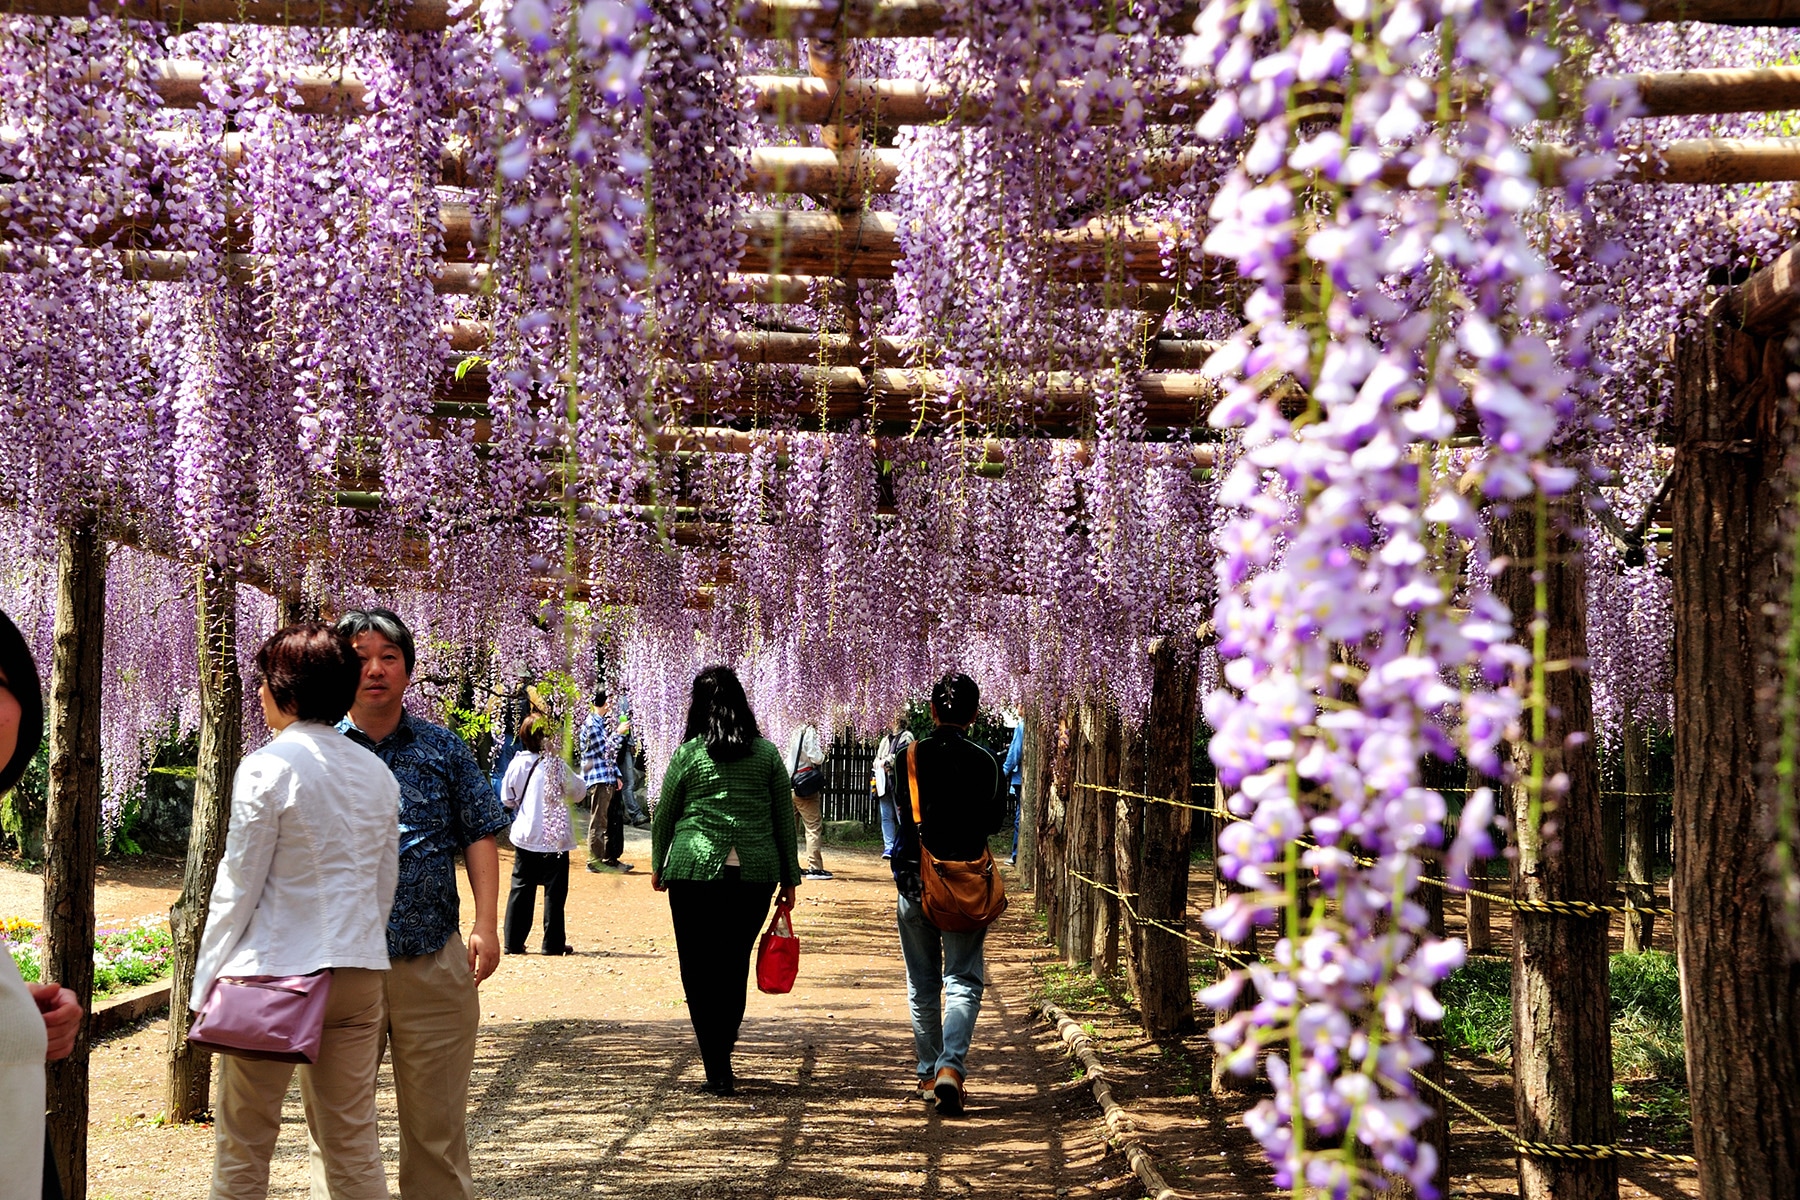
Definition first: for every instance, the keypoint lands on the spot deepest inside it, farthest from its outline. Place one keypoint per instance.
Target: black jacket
(962, 800)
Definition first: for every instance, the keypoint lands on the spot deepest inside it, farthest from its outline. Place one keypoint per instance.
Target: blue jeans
(945, 976)
(890, 825)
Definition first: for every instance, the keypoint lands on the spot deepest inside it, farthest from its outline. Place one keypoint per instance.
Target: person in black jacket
(962, 801)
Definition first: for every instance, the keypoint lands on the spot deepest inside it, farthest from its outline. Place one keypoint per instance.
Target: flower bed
(124, 958)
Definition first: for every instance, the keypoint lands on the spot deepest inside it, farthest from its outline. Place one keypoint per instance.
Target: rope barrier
(1131, 911)
(1550, 1149)
(1530, 1149)
(1567, 908)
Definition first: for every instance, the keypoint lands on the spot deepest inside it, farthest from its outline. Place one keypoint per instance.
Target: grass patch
(123, 958)
(1649, 1071)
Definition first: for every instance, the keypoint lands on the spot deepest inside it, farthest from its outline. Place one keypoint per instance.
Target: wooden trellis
(1743, 1007)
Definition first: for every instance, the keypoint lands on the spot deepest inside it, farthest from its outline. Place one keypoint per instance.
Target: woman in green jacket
(721, 840)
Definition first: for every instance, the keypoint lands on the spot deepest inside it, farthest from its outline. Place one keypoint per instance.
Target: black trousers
(532, 870)
(716, 928)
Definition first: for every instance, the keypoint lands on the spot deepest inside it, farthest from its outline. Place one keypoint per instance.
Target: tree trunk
(1740, 996)
(293, 608)
(1083, 807)
(1053, 826)
(1640, 818)
(1562, 1031)
(1480, 928)
(1165, 994)
(1030, 789)
(1128, 859)
(1108, 764)
(221, 746)
(72, 828)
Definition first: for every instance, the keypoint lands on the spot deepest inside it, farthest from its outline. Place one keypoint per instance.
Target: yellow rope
(1132, 912)
(1550, 1149)
(1567, 908)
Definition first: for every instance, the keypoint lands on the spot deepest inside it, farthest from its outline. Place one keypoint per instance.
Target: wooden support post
(1031, 787)
(1640, 821)
(1562, 1031)
(1082, 903)
(1053, 824)
(1103, 864)
(72, 827)
(1164, 989)
(221, 746)
(1128, 858)
(1740, 996)
(293, 608)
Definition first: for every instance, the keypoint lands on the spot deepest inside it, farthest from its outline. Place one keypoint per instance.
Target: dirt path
(586, 1073)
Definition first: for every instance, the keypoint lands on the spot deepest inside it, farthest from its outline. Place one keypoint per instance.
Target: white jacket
(307, 880)
(22, 1043)
(538, 788)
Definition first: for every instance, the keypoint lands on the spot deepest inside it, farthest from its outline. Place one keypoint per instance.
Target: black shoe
(709, 1088)
(556, 953)
(641, 823)
(510, 950)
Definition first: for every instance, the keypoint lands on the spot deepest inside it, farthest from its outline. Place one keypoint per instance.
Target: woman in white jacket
(538, 788)
(306, 885)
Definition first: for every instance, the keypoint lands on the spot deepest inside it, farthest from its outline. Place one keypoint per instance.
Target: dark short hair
(384, 621)
(719, 714)
(532, 732)
(22, 681)
(599, 697)
(311, 670)
(956, 698)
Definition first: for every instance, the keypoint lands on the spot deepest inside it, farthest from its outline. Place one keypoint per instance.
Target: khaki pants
(338, 1093)
(811, 810)
(433, 1013)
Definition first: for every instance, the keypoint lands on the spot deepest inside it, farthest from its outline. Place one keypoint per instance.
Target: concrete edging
(116, 1012)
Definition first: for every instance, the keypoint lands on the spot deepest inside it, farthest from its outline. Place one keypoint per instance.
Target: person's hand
(656, 881)
(62, 1018)
(484, 952)
(786, 895)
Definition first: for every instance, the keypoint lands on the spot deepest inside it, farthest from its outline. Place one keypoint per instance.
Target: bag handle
(782, 923)
(912, 783)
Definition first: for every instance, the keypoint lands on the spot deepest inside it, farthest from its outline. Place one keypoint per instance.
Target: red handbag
(778, 958)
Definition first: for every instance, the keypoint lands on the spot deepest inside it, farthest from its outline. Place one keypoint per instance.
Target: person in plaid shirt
(601, 737)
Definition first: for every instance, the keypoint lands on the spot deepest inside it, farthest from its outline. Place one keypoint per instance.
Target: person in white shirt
(809, 800)
(306, 885)
(887, 754)
(538, 788)
(38, 1021)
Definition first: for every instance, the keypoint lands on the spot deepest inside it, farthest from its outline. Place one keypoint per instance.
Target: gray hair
(384, 621)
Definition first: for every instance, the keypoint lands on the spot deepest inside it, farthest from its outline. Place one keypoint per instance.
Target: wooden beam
(807, 100)
(773, 347)
(413, 15)
(1769, 300)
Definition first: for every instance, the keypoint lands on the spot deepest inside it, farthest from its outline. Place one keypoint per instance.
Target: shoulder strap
(912, 782)
(525, 788)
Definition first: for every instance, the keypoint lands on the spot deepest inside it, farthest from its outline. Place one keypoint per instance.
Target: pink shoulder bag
(279, 1018)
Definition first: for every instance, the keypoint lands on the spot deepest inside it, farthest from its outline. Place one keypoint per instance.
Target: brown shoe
(949, 1091)
(922, 1091)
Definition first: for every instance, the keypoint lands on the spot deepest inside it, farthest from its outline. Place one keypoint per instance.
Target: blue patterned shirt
(600, 749)
(446, 805)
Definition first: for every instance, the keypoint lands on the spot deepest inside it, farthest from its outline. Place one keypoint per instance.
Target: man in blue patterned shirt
(601, 737)
(446, 805)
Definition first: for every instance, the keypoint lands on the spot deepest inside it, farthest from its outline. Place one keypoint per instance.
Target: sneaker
(606, 868)
(949, 1091)
(922, 1089)
(641, 823)
(614, 864)
(811, 874)
(887, 854)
